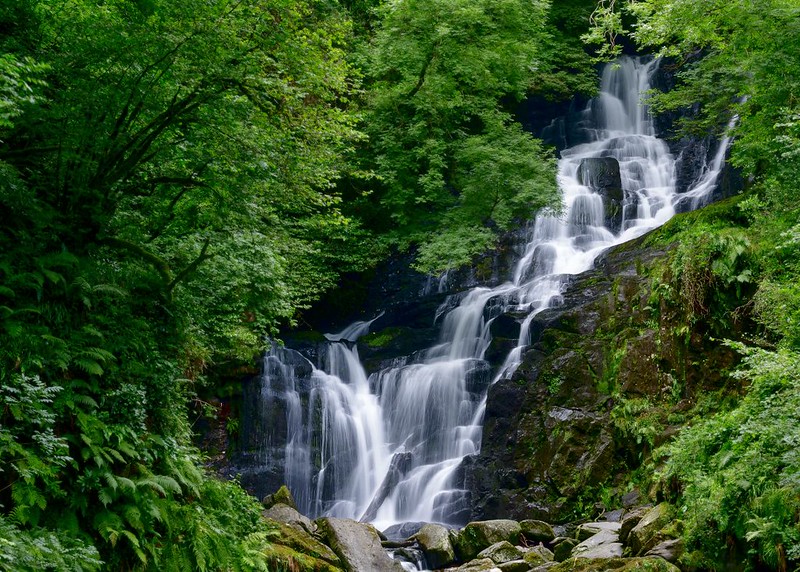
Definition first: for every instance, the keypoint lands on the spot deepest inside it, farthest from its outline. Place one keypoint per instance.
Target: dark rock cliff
(559, 431)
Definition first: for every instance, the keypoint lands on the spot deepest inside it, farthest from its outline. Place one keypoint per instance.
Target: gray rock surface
(290, 516)
(589, 529)
(642, 535)
(610, 550)
(599, 539)
(501, 552)
(669, 550)
(630, 520)
(434, 540)
(357, 545)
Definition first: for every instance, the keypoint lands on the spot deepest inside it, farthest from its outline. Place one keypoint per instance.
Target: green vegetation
(178, 180)
(735, 269)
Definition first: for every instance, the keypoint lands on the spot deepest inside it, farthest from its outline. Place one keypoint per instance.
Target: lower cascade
(385, 448)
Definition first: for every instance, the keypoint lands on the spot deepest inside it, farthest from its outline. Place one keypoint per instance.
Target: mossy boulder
(481, 565)
(286, 514)
(563, 549)
(477, 536)
(291, 544)
(644, 535)
(537, 531)
(616, 565)
(500, 552)
(538, 555)
(282, 496)
(514, 566)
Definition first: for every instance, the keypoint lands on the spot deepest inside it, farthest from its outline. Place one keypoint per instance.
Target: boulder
(609, 550)
(643, 534)
(403, 530)
(538, 555)
(282, 496)
(545, 567)
(434, 540)
(479, 535)
(357, 545)
(563, 549)
(288, 515)
(589, 529)
(299, 541)
(500, 552)
(630, 520)
(615, 565)
(537, 531)
(514, 566)
(669, 550)
(591, 544)
(613, 515)
(482, 565)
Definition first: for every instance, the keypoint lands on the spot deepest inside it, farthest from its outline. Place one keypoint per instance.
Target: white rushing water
(385, 448)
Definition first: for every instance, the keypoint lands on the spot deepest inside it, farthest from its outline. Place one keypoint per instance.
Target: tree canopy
(177, 180)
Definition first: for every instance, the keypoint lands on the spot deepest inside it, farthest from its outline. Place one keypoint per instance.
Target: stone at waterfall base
(434, 540)
(477, 536)
(357, 545)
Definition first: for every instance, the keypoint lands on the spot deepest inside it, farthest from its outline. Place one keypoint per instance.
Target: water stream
(385, 448)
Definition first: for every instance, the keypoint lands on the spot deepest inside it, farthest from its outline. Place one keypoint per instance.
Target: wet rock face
(549, 435)
(602, 176)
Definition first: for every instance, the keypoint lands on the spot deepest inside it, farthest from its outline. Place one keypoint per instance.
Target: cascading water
(385, 448)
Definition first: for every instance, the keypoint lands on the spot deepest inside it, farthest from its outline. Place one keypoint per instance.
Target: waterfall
(385, 448)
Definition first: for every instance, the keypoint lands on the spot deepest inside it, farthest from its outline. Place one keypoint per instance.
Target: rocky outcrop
(644, 535)
(557, 428)
(602, 176)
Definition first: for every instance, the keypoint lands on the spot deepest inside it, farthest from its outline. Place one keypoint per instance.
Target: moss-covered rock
(608, 377)
(282, 496)
(477, 536)
(538, 555)
(290, 544)
(536, 531)
(644, 535)
(500, 552)
(616, 565)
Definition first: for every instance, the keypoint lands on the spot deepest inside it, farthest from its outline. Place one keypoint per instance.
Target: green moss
(381, 338)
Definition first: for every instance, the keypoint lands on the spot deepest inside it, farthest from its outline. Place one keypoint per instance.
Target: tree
(437, 77)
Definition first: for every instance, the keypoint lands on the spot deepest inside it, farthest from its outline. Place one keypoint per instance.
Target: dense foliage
(177, 179)
(737, 66)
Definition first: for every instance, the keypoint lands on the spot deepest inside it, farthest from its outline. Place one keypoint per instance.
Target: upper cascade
(386, 447)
